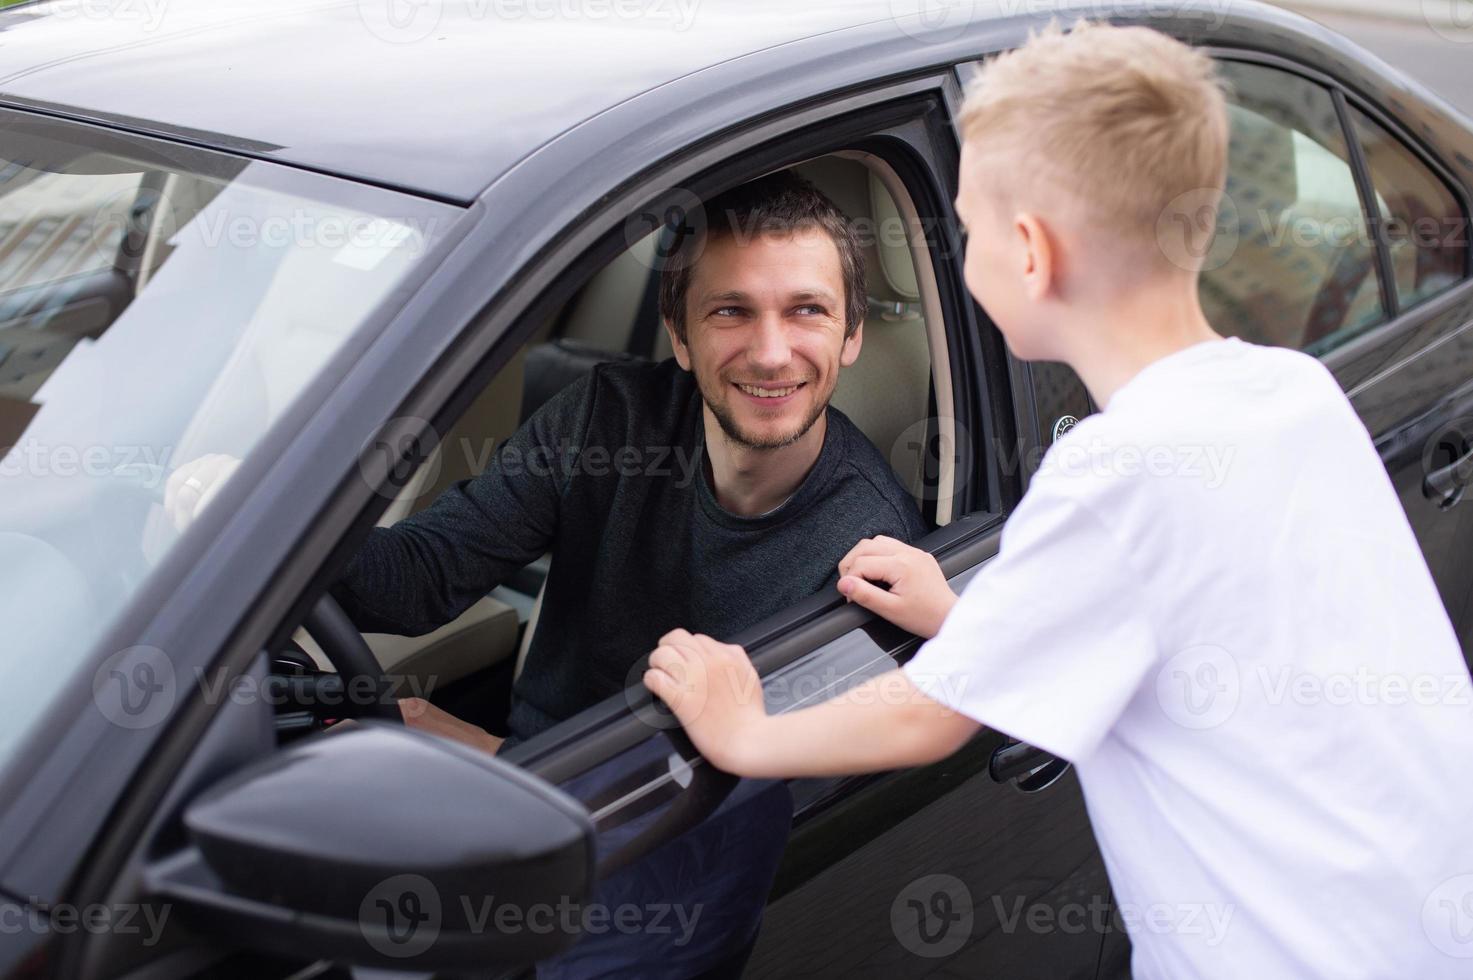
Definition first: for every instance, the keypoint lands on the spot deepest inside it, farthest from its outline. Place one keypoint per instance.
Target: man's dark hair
(779, 202)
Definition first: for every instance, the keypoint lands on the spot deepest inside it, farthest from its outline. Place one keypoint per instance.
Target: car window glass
(1426, 229)
(1293, 264)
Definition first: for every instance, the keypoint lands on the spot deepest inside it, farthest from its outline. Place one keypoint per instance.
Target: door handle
(1446, 484)
(1032, 768)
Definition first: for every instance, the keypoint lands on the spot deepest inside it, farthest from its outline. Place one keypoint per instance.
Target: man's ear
(1040, 255)
(849, 353)
(682, 353)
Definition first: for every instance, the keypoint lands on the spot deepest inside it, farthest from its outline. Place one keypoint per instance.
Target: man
(1188, 664)
(763, 309)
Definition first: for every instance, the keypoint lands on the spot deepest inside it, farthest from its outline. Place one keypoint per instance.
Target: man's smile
(769, 392)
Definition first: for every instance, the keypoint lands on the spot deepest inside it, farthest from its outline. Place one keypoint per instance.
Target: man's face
(765, 333)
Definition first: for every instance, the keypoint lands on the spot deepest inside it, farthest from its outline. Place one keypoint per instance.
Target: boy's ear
(682, 353)
(1040, 255)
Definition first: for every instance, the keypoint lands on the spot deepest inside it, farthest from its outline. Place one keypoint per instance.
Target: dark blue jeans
(692, 905)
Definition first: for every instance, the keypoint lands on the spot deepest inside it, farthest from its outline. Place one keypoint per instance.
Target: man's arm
(424, 571)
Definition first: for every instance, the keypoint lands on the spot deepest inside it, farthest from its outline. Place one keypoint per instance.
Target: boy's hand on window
(419, 713)
(918, 599)
(713, 689)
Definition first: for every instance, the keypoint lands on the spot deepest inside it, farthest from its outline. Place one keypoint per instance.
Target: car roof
(443, 97)
(433, 96)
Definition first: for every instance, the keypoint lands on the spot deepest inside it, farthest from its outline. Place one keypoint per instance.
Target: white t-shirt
(1210, 601)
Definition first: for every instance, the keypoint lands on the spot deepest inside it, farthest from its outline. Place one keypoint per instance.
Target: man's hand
(419, 713)
(714, 691)
(194, 484)
(919, 597)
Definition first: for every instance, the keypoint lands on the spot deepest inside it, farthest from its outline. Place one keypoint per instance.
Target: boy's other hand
(713, 689)
(919, 597)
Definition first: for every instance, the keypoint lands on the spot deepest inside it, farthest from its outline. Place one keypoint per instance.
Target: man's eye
(809, 310)
(727, 311)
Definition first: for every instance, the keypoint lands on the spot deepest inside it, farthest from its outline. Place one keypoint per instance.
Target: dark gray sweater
(608, 477)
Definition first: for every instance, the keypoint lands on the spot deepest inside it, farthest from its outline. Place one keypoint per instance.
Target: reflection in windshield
(150, 314)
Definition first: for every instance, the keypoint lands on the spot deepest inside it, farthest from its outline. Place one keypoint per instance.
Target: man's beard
(733, 431)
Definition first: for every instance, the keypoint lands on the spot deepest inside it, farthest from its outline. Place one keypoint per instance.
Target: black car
(354, 245)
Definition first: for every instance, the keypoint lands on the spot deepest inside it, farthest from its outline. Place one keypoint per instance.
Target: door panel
(1420, 414)
(906, 873)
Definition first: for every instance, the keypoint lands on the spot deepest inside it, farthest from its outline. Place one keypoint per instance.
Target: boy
(1165, 626)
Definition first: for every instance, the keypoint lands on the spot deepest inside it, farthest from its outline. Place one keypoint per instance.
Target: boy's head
(1078, 149)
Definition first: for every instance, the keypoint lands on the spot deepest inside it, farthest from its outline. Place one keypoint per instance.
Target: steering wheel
(346, 650)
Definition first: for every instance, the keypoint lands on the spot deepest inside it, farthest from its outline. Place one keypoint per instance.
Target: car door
(1418, 401)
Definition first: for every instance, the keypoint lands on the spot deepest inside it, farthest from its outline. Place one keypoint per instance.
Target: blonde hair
(1119, 125)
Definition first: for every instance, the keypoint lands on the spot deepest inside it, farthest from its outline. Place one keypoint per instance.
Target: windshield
(155, 306)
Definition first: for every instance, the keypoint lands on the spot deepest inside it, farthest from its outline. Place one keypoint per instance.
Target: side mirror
(382, 846)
